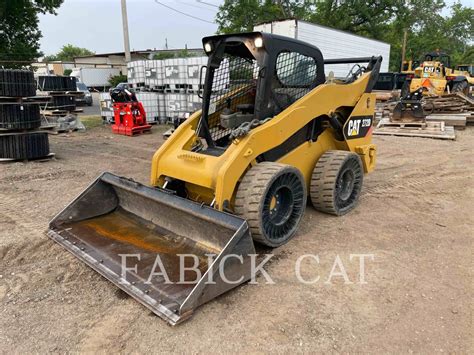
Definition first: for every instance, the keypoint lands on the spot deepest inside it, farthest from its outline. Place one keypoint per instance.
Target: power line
(195, 6)
(182, 13)
(207, 3)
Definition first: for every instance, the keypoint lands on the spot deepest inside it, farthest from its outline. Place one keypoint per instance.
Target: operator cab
(250, 78)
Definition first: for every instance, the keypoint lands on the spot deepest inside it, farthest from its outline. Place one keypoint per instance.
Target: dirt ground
(415, 217)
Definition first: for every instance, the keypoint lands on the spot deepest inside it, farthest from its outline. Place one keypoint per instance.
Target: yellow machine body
(213, 180)
(431, 76)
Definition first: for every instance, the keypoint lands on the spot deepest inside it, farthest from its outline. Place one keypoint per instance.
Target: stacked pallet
(437, 130)
(456, 110)
(20, 117)
(451, 103)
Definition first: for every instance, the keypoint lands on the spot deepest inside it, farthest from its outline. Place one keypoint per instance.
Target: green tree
(67, 53)
(163, 55)
(117, 79)
(241, 15)
(19, 31)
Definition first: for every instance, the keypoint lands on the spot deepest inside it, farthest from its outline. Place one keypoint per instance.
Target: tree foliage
(182, 53)
(67, 53)
(428, 23)
(117, 79)
(19, 31)
(163, 55)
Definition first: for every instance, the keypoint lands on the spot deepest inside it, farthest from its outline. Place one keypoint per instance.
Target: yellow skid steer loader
(272, 132)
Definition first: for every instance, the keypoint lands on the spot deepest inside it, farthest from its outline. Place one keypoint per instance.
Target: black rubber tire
(57, 83)
(267, 184)
(336, 182)
(21, 146)
(16, 116)
(461, 86)
(17, 83)
(62, 102)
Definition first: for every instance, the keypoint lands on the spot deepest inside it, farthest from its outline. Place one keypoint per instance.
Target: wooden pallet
(437, 130)
(55, 113)
(386, 95)
(450, 103)
(401, 124)
(457, 120)
(39, 99)
(60, 93)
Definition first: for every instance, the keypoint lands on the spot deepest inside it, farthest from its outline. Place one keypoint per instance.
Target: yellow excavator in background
(273, 132)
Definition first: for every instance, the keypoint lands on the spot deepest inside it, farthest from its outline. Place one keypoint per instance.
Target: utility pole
(404, 46)
(126, 40)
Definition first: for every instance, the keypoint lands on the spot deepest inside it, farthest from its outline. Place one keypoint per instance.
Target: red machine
(129, 115)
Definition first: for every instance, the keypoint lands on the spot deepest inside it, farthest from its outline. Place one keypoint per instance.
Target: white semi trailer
(95, 77)
(334, 44)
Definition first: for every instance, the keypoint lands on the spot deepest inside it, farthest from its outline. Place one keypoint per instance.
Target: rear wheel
(336, 182)
(462, 87)
(272, 198)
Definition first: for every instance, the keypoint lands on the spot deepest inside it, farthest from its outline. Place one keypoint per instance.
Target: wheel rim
(283, 207)
(345, 184)
(348, 185)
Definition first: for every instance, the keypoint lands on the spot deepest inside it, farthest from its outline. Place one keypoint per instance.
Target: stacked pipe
(20, 118)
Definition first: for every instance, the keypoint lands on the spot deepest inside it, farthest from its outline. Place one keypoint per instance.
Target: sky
(97, 24)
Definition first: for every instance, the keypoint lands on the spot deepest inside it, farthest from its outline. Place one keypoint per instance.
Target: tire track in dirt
(411, 182)
(53, 175)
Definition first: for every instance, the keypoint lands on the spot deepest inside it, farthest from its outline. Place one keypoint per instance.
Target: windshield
(234, 82)
(81, 87)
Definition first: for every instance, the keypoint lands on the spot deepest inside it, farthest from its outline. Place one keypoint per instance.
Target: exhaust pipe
(142, 239)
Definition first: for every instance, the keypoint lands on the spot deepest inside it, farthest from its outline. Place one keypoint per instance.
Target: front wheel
(336, 182)
(272, 198)
(462, 87)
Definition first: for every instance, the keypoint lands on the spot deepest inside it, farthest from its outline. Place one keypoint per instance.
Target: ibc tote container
(138, 73)
(194, 103)
(176, 105)
(131, 73)
(175, 76)
(153, 74)
(162, 116)
(106, 108)
(194, 65)
(149, 101)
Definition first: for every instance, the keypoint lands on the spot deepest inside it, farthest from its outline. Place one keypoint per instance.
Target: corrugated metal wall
(332, 43)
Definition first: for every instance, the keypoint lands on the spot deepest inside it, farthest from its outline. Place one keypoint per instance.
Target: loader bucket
(408, 112)
(169, 253)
